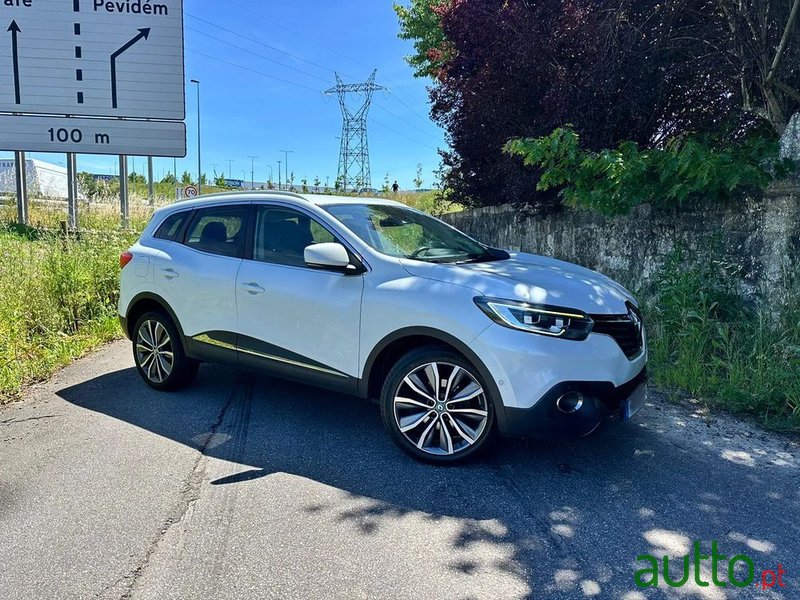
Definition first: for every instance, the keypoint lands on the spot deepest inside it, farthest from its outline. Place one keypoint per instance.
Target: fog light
(570, 402)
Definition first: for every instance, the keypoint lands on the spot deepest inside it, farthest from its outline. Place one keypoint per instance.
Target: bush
(705, 341)
(687, 169)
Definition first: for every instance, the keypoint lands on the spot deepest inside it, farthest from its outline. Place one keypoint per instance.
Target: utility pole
(286, 153)
(279, 174)
(230, 168)
(354, 171)
(253, 172)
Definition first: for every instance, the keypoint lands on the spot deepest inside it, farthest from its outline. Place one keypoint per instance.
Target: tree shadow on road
(543, 519)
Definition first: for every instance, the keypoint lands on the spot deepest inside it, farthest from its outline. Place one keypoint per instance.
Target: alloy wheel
(154, 351)
(441, 408)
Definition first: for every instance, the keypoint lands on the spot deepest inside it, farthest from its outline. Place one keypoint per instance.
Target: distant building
(45, 180)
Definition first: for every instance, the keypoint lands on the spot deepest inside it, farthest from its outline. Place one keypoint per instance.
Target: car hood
(535, 279)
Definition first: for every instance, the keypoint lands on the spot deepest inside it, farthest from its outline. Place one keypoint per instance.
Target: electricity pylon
(354, 171)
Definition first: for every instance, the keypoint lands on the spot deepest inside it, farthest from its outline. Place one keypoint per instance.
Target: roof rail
(242, 192)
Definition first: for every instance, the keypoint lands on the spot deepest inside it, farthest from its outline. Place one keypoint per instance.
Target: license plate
(634, 402)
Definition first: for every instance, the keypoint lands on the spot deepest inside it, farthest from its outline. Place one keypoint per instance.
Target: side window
(219, 230)
(282, 235)
(171, 226)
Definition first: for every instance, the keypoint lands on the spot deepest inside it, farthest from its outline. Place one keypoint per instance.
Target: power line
(260, 43)
(256, 71)
(256, 54)
(400, 100)
(399, 118)
(401, 134)
(299, 33)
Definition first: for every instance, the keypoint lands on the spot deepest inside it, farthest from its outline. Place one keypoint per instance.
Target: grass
(707, 341)
(58, 295)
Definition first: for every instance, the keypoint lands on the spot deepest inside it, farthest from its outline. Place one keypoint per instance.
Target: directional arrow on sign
(15, 30)
(143, 34)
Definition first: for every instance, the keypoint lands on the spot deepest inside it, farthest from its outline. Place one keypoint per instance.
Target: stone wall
(758, 237)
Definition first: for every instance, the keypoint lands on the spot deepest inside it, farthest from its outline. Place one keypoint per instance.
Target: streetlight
(199, 162)
(286, 153)
(230, 168)
(279, 174)
(253, 172)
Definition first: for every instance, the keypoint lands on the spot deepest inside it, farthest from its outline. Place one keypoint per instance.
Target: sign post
(22, 188)
(72, 193)
(151, 192)
(124, 211)
(93, 77)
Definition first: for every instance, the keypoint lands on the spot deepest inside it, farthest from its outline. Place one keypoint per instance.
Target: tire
(168, 368)
(444, 431)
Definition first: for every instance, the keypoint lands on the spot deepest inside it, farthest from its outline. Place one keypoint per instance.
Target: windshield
(406, 233)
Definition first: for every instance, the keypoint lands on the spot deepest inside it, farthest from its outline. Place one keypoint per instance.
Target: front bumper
(532, 371)
(603, 404)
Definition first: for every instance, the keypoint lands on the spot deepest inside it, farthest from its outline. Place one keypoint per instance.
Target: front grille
(625, 331)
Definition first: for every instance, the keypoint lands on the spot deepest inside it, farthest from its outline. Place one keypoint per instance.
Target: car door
(197, 277)
(297, 321)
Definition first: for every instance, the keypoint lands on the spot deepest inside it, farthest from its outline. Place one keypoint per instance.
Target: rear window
(219, 230)
(171, 226)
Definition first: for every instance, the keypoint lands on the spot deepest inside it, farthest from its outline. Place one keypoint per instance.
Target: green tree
(317, 183)
(387, 186)
(220, 182)
(418, 181)
(304, 181)
(170, 179)
(422, 23)
(186, 178)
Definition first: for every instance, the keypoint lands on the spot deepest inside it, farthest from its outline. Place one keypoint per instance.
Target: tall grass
(706, 340)
(58, 296)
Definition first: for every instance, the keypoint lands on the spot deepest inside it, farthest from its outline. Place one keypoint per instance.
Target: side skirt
(255, 355)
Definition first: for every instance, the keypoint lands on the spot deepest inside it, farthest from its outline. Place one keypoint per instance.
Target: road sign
(115, 58)
(92, 136)
(234, 183)
(189, 191)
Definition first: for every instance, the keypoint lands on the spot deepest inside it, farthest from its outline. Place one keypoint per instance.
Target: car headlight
(544, 320)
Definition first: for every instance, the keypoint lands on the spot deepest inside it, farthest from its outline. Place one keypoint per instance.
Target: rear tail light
(124, 259)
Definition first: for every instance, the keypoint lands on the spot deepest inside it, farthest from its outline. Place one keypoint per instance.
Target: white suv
(457, 340)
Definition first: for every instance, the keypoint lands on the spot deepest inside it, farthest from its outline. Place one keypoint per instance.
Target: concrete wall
(759, 237)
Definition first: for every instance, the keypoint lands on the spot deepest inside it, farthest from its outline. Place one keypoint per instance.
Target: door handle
(252, 288)
(169, 273)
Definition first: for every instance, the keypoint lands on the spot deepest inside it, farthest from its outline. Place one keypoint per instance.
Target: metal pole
(279, 174)
(123, 192)
(151, 189)
(199, 161)
(286, 164)
(253, 172)
(22, 188)
(72, 192)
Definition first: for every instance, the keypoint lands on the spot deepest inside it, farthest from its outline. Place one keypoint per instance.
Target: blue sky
(246, 113)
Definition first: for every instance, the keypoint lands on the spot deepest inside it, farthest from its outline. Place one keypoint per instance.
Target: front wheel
(158, 353)
(436, 407)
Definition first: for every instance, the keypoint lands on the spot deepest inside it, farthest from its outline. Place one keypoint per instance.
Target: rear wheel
(158, 353)
(436, 407)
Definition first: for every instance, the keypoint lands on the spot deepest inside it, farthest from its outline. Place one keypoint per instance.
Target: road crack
(188, 497)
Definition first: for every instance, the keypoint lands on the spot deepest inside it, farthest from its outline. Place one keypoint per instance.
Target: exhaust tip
(570, 403)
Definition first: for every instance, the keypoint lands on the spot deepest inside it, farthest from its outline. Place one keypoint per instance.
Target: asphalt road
(248, 487)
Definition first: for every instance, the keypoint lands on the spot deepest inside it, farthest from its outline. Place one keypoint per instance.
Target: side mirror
(329, 255)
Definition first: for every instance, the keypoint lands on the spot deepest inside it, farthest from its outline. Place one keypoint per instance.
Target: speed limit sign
(189, 191)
